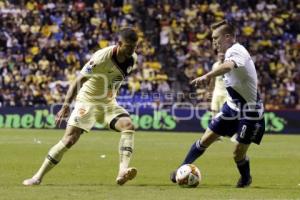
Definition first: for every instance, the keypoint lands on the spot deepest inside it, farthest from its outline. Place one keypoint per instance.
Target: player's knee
(69, 141)
(125, 124)
(128, 126)
(208, 138)
(71, 138)
(238, 155)
(240, 152)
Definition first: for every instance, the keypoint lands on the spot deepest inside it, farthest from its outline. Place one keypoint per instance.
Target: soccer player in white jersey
(98, 83)
(242, 113)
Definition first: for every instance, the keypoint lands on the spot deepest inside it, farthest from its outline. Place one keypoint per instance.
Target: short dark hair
(226, 27)
(128, 34)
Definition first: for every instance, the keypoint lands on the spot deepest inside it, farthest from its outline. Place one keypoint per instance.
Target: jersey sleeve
(97, 59)
(236, 56)
(87, 69)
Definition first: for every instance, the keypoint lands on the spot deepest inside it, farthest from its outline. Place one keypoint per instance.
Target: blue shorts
(228, 122)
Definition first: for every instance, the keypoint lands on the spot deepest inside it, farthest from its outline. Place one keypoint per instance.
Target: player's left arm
(223, 68)
(233, 58)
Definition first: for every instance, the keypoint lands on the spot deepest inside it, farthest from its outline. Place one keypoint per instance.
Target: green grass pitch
(88, 170)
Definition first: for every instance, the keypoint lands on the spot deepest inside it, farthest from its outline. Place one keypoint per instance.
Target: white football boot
(31, 181)
(126, 175)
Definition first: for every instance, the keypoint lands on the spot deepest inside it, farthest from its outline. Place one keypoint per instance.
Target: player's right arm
(86, 72)
(74, 88)
(223, 68)
(71, 94)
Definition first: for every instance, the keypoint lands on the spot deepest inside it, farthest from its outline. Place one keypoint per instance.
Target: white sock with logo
(55, 154)
(125, 149)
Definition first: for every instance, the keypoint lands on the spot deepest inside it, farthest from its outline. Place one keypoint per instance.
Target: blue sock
(244, 168)
(197, 149)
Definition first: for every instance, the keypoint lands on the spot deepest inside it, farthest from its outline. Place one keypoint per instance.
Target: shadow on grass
(163, 185)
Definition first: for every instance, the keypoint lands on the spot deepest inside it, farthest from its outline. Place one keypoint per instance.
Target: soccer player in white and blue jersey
(242, 113)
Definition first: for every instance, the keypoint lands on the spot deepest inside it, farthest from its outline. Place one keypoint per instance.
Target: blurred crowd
(44, 44)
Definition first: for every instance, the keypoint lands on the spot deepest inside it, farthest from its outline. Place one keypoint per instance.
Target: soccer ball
(188, 176)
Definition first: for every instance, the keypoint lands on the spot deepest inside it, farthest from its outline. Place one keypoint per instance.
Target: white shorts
(85, 115)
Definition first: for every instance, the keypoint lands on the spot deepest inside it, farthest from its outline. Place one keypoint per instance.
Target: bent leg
(126, 145)
(243, 164)
(55, 154)
(199, 147)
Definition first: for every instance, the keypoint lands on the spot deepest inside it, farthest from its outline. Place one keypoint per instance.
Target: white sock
(55, 154)
(125, 149)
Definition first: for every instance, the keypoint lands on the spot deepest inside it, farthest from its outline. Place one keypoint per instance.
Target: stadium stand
(44, 44)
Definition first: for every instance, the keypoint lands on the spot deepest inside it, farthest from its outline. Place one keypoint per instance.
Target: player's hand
(201, 81)
(63, 113)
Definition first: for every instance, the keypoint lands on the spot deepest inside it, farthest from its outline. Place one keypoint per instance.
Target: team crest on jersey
(89, 68)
